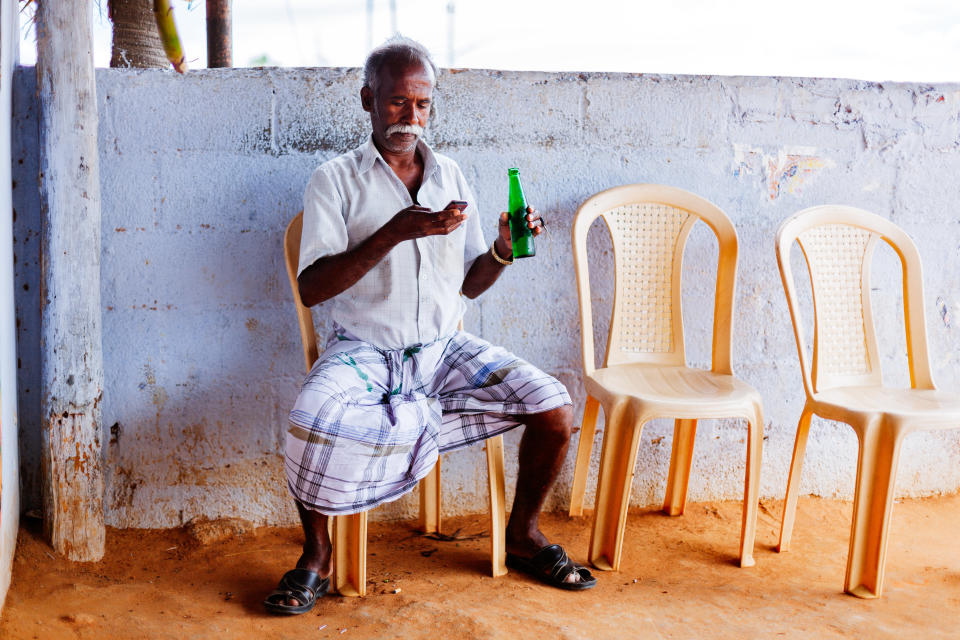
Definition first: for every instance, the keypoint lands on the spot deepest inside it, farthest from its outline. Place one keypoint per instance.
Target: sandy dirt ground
(679, 579)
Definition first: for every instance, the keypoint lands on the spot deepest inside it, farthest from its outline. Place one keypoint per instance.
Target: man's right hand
(334, 274)
(417, 222)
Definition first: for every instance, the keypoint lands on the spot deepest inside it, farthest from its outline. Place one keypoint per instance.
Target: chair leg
(751, 489)
(581, 469)
(617, 462)
(430, 500)
(681, 455)
(498, 517)
(872, 505)
(793, 481)
(350, 554)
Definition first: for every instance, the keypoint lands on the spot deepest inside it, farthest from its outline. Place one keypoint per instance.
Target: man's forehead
(394, 72)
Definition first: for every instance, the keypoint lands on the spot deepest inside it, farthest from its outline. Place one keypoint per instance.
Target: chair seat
(920, 407)
(681, 392)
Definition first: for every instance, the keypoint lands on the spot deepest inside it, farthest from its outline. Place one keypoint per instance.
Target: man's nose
(410, 114)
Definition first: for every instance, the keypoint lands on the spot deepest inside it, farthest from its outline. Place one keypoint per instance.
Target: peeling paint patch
(746, 159)
(784, 172)
(790, 168)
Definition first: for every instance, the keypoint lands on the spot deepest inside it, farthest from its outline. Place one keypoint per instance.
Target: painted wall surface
(200, 175)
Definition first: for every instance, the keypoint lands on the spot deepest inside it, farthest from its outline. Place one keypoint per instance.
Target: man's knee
(557, 423)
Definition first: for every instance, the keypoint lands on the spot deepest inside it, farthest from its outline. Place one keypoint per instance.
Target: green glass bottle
(521, 235)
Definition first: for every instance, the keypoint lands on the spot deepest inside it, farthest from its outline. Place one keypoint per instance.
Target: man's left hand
(504, 241)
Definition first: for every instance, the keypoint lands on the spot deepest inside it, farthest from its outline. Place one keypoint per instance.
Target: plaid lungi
(370, 423)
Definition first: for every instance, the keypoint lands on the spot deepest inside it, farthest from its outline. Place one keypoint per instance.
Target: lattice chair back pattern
(845, 346)
(648, 239)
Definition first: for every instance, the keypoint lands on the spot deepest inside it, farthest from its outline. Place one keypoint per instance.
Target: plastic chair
(843, 381)
(644, 373)
(349, 532)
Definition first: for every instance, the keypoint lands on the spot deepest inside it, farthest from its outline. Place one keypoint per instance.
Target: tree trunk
(219, 46)
(136, 42)
(70, 332)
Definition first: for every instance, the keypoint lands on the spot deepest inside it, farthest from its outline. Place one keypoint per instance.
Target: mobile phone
(459, 205)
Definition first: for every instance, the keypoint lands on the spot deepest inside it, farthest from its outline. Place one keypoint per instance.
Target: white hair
(396, 49)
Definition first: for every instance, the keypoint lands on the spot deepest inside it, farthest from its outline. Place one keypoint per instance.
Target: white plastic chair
(644, 373)
(843, 381)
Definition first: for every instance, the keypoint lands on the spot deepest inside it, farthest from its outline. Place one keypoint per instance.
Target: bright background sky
(909, 40)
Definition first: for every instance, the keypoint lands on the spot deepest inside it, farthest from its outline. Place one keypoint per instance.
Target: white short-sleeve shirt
(412, 296)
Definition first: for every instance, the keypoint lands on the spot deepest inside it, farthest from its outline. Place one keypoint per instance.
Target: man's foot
(313, 562)
(533, 554)
(297, 592)
(552, 566)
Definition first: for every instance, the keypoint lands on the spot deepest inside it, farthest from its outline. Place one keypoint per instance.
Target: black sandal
(302, 585)
(552, 566)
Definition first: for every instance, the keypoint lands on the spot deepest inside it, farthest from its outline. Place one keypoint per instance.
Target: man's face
(401, 107)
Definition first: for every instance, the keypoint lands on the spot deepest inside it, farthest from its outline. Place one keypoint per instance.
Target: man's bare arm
(485, 270)
(334, 274)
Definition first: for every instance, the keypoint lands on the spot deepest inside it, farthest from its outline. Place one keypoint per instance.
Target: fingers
(450, 214)
(534, 221)
(447, 221)
(416, 222)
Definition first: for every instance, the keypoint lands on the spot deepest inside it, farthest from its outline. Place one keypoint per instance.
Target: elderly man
(398, 383)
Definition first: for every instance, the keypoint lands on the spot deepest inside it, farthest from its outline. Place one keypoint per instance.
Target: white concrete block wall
(201, 174)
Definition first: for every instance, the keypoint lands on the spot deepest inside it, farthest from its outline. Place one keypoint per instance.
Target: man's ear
(366, 98)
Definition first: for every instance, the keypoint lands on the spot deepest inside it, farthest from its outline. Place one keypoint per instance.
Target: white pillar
(70, 333)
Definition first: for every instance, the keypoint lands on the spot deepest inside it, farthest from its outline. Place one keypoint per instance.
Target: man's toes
(291, 602)
(574, 576)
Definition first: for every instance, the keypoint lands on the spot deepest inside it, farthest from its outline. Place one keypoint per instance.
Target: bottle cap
(513, 171)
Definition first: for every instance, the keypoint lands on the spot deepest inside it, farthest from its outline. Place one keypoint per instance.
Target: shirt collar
(369, 154)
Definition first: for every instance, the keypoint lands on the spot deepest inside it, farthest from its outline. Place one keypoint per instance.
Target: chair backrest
(291, 255)
(837, 243)
(649, 225)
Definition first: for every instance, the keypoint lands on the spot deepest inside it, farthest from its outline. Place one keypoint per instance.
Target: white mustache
(414, 129)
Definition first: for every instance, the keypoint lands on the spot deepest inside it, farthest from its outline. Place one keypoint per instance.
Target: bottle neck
(516, 199)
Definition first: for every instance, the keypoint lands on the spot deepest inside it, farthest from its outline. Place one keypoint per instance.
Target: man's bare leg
(316, 554)
(543, 448)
